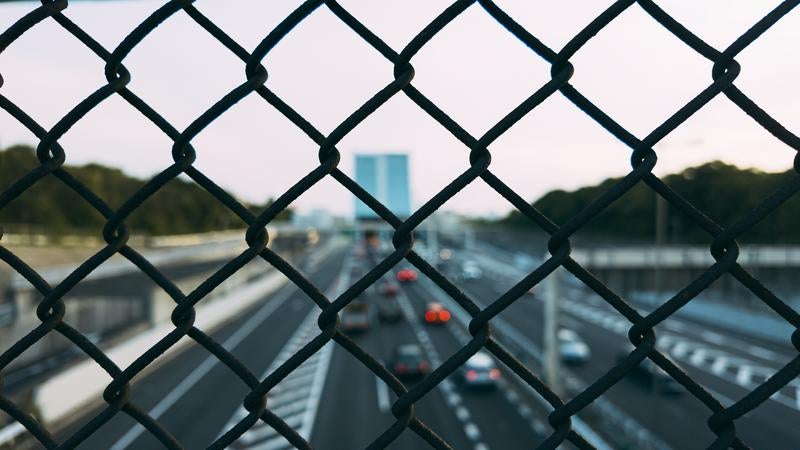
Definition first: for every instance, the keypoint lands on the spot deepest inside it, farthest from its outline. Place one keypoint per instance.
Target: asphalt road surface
(337, 403)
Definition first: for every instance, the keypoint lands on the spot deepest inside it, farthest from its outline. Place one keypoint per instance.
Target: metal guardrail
(723, 247)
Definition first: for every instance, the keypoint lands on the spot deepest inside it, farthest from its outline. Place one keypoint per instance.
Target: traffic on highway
(408, 324)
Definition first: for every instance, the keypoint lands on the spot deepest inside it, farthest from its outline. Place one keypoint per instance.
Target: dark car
(389, 311)
(480, 371)
(650, 373)
(389, 289)
(408, 361)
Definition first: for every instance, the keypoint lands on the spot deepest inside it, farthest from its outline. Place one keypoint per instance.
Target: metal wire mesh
(51, 308)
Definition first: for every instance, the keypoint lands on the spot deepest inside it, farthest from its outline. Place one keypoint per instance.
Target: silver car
(572, 348)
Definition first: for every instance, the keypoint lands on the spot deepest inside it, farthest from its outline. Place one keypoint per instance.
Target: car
(389, 289)
(389, 311)
(408, 361)
(480, 371)
(436, 314)
(406, 275)
(471, 271)
(355, 317)
(572, 348)
(650, 372)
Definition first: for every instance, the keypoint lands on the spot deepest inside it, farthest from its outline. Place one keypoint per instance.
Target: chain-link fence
(51, 308)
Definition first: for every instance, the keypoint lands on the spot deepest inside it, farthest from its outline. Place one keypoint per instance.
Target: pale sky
(474, 70)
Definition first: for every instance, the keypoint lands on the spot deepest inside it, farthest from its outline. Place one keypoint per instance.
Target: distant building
(385, 177)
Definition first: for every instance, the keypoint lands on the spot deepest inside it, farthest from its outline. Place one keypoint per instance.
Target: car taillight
(472, 375)
(400, 368)
(444, 316)
(423, 366)
(430, 316)
(494, 374)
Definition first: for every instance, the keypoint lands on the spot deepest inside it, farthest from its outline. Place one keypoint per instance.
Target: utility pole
(660, 226)
(552, 357)
(433, 243)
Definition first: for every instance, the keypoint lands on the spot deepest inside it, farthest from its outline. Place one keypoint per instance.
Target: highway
(336, 403)
(728, 365)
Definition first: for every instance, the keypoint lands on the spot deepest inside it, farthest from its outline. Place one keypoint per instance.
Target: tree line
(50, 207)
(723, 192)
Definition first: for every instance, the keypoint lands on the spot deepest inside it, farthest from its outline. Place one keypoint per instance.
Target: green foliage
(50, 207)
(721, 191)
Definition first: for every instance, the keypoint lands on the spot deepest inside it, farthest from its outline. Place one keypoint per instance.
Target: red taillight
(423, 366)
(444, 316)
(400, 368)
(494, 374)
(472, 375)
(430, 316)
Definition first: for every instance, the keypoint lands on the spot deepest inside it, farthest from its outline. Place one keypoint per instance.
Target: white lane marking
(680, 350)
(676, 326)
(797, 397)
(316, 389)
(512, 396)
(698, 357)
(201, 370)
(539, 427)
(263, 437)
(763, 353)
(462, 414)
(744, 375)
(288, 392)
(383, 395)
(714, 338)
(470, 429)
(481, 446)
(720, 365)
(472, 432)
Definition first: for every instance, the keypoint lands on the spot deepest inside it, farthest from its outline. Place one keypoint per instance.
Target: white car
(572, 348)
(471, 271)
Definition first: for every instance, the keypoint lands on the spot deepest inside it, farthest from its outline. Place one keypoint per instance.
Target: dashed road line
(205, 367)
(295, 398)
(451, 397)
(383, 395)
(726, 366)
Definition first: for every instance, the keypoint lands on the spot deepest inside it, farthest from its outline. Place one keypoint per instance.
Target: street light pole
(552, 358)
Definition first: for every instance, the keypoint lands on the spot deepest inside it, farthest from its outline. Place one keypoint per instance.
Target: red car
(435, 313)
(405, 275)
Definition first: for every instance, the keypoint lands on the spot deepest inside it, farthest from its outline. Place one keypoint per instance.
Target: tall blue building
(385, 177)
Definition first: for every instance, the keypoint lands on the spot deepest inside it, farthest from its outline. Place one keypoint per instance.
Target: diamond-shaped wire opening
(304, 69)
(250, 130)
(29, 82)
(721, 131)
(625, 72)
(435, 156)
(550, 126)
(181, 78)
(487, 56)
